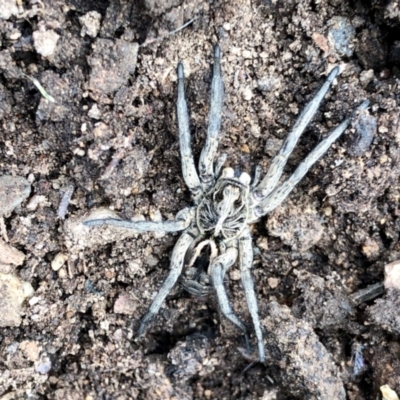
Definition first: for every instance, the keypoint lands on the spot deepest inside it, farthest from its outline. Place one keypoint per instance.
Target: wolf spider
(225, 203)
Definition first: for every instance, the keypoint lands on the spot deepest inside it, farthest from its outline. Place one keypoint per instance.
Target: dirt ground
(71, 297)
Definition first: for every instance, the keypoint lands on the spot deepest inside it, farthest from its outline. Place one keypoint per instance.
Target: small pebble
(90, 23)
(388, 393)
(125, 304)
(273, 282)
(13, 191)
(8, 8)
(12, 295)
(247, 94)
(15, 34)
(341, 34)
(370, 248)
(30, 350)
(321, 41)
(45, 42)
(35, 201)
(366, 77)
(94, 112)
(10, 255)
(365, 127)
(44, 366)
(234, 275)
(58, 261)
(392, 275)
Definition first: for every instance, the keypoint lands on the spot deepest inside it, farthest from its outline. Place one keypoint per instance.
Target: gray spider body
(226, 204)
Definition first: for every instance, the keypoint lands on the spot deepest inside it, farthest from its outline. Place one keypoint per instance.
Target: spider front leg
(177, 263)
(207, 174)
(273, 200)
(218, 268)
(188, 168)
(275, 170)
(246, 261)
(181, 222)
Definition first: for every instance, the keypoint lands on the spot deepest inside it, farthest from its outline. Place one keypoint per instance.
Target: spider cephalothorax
(224, 204)
(223, 211)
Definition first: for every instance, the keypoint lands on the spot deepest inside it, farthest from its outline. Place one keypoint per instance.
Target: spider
(225, 203)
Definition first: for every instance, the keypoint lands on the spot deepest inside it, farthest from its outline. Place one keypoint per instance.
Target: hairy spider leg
(207, 156)
(181, 222)
(273, 200)
(177, 263)
(257, 177)
(246, 262)
(275, 170)
(218, 164)
(188, 168)
(218, 268)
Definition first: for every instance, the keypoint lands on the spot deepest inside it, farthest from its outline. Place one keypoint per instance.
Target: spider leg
(195, 288)
(181, 222)
(273, 200)
(210, 148)
(246, 261)
(275, 170)
(218, 268)
(177, 262)
(188, 168)
(257, 177)
(219, 164)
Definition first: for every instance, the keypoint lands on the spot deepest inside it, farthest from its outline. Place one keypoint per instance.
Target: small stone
(90, 23)
(112, 62)
(118, 335)
(45, 42)
(62, 273)
(125, 304)
(15, 34)
(366, 77)
(268, 83)
(155, 215)
(392, 275)
(365, 131)
(234, 275)
(10, 255)
(273, 282)
(247, 94)
(30, 350)
(388, 393)
(8, 8)
(245, 148)
(79, 152)
(12, 294)
(383, 129)
(35, 201)
(94, 112)
(59, 261)
(247, 54)
(13, 191)
(100, 130)
(328, 211)
(370, 248)
(44, 366)
(341, 34)
(321, 41)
